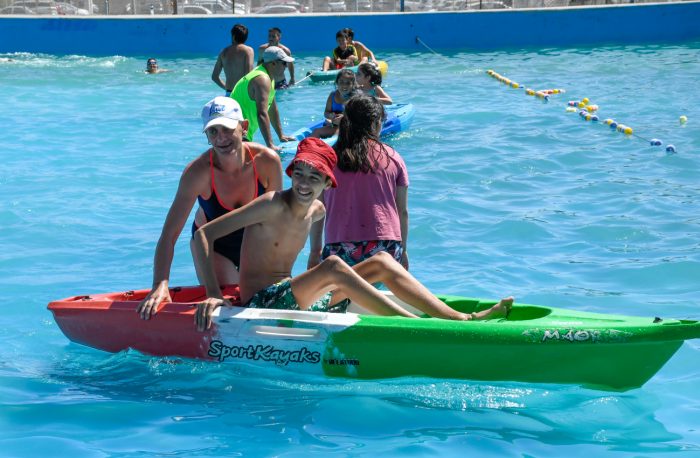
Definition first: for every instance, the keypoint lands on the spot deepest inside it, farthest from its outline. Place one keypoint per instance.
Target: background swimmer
(152, 66)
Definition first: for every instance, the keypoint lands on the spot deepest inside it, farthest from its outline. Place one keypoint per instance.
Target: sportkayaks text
(219, 350)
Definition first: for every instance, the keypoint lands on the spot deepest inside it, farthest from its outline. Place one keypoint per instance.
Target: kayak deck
(534, 344)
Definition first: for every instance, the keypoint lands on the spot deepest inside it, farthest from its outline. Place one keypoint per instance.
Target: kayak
(398, 118)
(534, 344)
(329, 75)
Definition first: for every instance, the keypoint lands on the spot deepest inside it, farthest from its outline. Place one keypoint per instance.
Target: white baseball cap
(221, 111)
(275, 53)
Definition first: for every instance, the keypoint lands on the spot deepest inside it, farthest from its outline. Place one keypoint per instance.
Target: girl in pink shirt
(367, 212)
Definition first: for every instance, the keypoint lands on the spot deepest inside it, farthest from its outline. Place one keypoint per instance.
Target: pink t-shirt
(363, 206)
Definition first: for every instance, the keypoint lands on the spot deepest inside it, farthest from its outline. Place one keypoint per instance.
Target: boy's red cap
(318, 154)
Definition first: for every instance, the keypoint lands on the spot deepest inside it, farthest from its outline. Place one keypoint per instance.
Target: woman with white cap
(225, 177)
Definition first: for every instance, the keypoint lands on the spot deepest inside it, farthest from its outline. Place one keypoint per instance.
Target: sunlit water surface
(508, 195)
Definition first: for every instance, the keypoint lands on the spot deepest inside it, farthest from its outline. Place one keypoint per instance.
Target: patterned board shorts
(279, 296)
(356, 252)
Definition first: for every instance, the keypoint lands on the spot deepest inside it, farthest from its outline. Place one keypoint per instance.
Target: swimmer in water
(152, 66)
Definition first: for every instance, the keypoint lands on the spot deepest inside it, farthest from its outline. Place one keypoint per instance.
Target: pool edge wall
(472, 30)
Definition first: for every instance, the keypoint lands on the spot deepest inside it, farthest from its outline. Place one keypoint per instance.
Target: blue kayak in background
(398, 119)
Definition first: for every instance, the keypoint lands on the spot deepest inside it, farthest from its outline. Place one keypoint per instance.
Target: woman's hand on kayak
(202, 318)
(149, 305)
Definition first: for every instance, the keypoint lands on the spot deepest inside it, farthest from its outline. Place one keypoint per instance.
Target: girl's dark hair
(357, 133)
(371, 70)
(346, 72)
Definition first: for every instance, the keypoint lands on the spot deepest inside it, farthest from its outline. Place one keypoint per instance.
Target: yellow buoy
(628, 130)
(683, 119)
(585, 100)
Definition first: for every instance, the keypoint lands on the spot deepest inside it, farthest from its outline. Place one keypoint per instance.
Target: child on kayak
(277, 225)
(368, 212)
(345, 87)
(369, 79)
(363, 52)
(344, 55)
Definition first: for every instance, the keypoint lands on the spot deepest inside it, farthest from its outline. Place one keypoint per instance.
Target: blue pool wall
(474, 30)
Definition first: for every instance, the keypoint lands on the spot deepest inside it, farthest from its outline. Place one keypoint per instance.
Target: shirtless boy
(236, 60)
(363, 52)
(277, 226)
(274, 35)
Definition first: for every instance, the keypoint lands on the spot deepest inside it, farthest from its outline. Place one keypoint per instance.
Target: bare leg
(324, 131)
(326, 63)
(335, 275)
(383, 268)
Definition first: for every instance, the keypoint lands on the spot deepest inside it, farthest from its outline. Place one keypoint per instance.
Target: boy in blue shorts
(277, 226)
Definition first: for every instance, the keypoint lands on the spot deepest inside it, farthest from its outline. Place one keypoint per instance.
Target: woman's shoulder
(198, 164)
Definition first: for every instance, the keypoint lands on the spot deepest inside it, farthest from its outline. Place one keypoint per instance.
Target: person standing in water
(235, 60)
(255, 92)
(274, 35)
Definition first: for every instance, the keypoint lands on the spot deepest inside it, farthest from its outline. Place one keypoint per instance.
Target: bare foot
(502, 309)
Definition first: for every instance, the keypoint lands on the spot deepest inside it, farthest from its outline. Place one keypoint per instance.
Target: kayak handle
(279, 332)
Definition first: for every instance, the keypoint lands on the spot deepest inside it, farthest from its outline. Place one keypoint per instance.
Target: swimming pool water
(508, 195)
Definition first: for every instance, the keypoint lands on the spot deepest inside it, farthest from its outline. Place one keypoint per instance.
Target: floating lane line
(586, 110)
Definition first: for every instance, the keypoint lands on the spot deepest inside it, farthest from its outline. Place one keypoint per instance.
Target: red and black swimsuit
(230, 245)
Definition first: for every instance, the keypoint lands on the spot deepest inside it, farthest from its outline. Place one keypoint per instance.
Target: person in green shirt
(255, 93)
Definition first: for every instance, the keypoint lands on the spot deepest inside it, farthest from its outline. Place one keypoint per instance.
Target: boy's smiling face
(308, 183)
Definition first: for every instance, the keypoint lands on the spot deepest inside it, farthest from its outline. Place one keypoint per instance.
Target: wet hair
(341, 33)
(239, 32)
(348, 31)
(275, 29)
(346, 72)
(356, 133)
(151, 60)
(371, 70)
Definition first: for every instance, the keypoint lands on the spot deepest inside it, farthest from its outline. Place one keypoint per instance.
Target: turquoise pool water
(508, 195)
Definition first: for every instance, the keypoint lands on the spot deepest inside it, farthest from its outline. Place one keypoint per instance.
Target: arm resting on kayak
(174, 222)
(203, 248)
